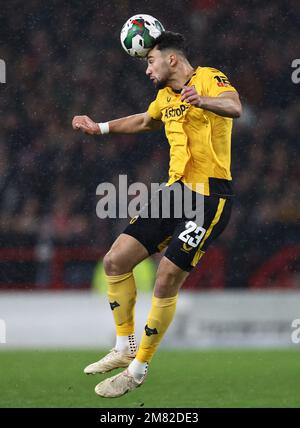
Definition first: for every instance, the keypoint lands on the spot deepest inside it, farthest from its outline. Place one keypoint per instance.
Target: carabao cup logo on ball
(139, 33)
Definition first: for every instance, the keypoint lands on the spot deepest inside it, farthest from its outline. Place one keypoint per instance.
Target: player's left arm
(225, 104)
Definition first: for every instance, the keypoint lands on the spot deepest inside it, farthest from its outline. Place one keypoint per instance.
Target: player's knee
(166, 285)
(111, 263)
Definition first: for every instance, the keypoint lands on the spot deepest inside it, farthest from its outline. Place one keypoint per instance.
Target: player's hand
(191, 96)
(86, 125)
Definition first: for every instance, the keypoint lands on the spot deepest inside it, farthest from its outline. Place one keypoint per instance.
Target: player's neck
(181, 76)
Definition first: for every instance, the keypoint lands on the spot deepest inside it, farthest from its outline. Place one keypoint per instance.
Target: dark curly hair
(170, 40)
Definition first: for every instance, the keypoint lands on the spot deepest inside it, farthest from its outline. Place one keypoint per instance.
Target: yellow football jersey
(200, 141)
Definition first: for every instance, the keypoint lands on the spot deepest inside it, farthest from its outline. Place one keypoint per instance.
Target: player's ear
(173, 59)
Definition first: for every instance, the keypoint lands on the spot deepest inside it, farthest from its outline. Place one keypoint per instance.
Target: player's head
(169, 50)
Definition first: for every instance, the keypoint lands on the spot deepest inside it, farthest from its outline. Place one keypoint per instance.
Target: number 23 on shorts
(197, 234)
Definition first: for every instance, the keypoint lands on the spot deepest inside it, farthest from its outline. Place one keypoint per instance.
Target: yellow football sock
(160, 317)
(122, 296)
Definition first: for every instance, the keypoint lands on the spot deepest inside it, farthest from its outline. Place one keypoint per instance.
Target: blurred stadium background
(64, 59)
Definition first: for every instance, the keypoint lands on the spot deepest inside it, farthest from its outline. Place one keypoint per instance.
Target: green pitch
(176, 379)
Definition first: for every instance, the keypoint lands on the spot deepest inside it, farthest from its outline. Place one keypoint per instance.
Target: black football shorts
(186, 234)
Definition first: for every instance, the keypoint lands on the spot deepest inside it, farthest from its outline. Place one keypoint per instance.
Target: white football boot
(113, 360)
(118, 385)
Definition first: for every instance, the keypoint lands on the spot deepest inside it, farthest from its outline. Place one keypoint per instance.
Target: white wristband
(104, 127)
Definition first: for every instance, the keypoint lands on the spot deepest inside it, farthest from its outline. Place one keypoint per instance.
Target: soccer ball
(139, 33)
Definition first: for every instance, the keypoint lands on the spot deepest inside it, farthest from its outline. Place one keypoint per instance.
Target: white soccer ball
(138, 34)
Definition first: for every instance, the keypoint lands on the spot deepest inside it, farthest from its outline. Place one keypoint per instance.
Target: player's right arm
(134, 124)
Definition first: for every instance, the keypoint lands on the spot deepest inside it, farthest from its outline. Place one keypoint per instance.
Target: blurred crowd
(65, 59)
